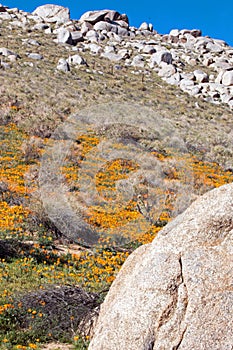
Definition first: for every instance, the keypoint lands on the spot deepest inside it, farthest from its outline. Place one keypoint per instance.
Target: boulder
(166, 70)
(5, 52)
(76, 37)
(77, 59)
(63, 65)
(177, 291)
(64, 36)
(138, 61)
(52, 13)
(227, 78)
(144, 26)
(160, 56)
(3, 8)
(35, 56)
(103, 15)
(111, 56)
(92, 35)
(201, 76)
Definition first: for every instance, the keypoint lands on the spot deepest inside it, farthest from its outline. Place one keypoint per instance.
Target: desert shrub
(50, 314)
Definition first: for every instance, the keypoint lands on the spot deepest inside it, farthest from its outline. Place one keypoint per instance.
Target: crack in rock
(171, 327)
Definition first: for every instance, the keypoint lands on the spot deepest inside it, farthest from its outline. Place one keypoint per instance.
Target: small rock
(64, 36)
(160, 56)
(63, 65)
(95, 48)
(144, 26)
(76, 37)
(5, 16)
(111, 56)
(35, 56)
(124, 53)
(196, 33)
(174, 32)
(92, 36)
(85, 27)
(122, 32)
(186, 84)
(167, 70)
(148, 49)
(201, 76)
(212, 47)
(77, 59)
(5, 52)
(32, 42)
(40, 26)
(138, 61)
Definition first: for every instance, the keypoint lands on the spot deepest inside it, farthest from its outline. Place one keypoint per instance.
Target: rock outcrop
(177, 291)
(174, 56)
(52, 13)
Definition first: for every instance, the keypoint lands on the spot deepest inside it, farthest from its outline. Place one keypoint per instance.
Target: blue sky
(213, 17)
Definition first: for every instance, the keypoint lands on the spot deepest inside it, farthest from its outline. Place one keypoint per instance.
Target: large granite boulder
(177, 291)
(94, 17)
(52, 13)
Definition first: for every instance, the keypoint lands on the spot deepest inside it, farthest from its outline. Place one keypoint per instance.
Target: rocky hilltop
(200, 66)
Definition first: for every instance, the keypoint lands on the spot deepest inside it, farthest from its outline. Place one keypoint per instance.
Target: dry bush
(57, 312)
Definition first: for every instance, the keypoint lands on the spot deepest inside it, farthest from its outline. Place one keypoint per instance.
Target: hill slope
(126, 126)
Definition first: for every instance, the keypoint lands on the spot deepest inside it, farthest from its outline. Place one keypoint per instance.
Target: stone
(186, 84)
(35, 56)
(211, 46)
(124, 53)
(111, 56)
(96, 49)
(174, 32)
(92, 35)
(85, 27)
(6, 52)
(114, 16)
(166, 70)
(177, 291)
(149, 49)
(95, 16)
(160, 56)
(102, 25)
(64, 36)
(63, 65)
(77, 59)
(52, 13)
(174, 79)
(196, 33)
(201, 76)
(144, 26)
(138, 61)
(227, 78)
(76, 37)
(3, 8)
(122, 32)
(32, 42)
(122, 24)
(5, 16)
(40, 26)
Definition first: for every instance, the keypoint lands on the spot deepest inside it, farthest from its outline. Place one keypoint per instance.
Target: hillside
(107, 133)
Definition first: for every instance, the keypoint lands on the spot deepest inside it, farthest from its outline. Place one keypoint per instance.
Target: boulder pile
(200, 66)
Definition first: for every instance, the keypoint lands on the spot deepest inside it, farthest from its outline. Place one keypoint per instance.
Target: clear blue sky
(213, 17)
